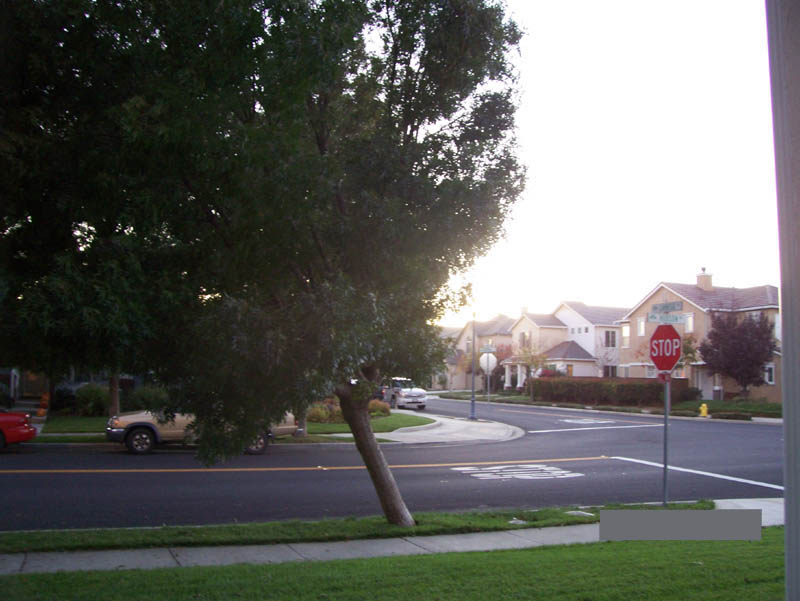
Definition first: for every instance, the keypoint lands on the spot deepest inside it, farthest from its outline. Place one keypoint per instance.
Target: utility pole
(783, 32)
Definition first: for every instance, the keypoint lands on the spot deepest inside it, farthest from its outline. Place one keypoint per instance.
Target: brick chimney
(704, 280)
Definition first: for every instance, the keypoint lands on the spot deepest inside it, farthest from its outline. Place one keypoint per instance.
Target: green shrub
(733, 415)
(618, 409)
(92, 400)
(146, 397)
(683, 413)
(592, 392)
(378, 408)
(327, 412)
(690, 394)
(317, 413)
(64, 402)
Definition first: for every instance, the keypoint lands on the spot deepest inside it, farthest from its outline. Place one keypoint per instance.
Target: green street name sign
(488, 349)
(666, 318)
(667, 307)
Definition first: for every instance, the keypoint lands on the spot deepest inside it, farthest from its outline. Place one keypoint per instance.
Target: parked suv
(140, 431)
(404, 393)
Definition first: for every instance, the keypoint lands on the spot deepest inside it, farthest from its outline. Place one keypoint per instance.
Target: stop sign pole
(665, 352)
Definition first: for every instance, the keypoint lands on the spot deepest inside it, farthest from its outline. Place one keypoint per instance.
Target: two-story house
(495, 332)
(576, 339)
(696, 303)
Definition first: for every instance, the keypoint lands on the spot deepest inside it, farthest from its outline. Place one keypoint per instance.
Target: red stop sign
(665, 347)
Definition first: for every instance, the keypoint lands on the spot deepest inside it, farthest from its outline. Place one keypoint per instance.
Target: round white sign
(488, 362)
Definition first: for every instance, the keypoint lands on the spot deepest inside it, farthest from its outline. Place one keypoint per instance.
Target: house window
(572, 330)
(769, 373)
(640, 326)
(609, 371)
(651, 371)
(522, 340)
(626, 372)
(626, 336)
(611, 339)
(586, 330)
(689, 323)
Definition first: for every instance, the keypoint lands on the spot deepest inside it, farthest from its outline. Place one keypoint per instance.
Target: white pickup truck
(402, 392)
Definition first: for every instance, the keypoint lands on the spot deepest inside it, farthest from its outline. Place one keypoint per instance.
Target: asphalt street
(565, 457)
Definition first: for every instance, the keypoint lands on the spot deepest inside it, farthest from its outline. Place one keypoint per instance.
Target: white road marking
(587, 420)
(597, 428)
(700, 473)
(530, 471)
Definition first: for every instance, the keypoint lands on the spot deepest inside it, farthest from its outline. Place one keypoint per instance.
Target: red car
(15, 427)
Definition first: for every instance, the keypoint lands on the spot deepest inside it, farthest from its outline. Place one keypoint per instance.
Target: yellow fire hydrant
(703, 410)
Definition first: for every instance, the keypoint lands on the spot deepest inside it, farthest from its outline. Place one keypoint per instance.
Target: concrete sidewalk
(173, 557)
(451, 429)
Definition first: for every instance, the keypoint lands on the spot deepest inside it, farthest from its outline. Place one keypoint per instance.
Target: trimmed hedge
(732, 415)
(593, 392)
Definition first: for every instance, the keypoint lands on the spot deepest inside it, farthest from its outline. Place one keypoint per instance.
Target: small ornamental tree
(739, 348)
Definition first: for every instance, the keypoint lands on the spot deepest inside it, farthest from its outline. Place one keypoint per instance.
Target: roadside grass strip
(57, 424)
(298, 531)
(608, 571)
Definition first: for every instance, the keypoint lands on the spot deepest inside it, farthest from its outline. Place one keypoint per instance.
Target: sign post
(665, 352)
(488, 363)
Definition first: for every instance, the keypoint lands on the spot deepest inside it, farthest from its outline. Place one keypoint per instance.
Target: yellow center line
(318, 468)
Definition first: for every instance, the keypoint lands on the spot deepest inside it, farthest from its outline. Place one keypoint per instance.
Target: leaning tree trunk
(356, 414)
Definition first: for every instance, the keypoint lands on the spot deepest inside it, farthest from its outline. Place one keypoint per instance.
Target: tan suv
(142, 430)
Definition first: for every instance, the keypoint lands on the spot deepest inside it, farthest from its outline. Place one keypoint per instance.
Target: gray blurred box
(652, 524)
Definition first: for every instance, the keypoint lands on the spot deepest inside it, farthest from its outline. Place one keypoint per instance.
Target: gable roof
(498, 326)
(727, 299)
(569, 350)
(449, 333)
(544, 320)
(719, 298)
(597, 315)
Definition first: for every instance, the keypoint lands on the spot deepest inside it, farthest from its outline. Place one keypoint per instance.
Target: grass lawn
(65, 438)
(379, 424)
(296, 531)
(610, 571)
(57, 424)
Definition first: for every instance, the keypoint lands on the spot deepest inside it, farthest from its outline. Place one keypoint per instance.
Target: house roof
(727, 299)
(544, 320)
(597, 315)
(450, 333)
(569, 350)
(498, 326)
(720, 298)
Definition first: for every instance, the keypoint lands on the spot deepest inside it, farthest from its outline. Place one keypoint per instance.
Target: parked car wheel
(421, 407)
(259, 445)
(140, 441)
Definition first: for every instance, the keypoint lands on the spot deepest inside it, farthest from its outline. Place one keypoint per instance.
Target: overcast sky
(646, 129)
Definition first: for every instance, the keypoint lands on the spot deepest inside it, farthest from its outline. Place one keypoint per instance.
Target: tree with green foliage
(260, 202)
(739, 347)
